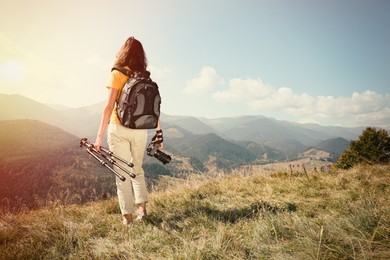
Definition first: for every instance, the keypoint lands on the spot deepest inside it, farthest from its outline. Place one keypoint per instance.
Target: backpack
(138, 105)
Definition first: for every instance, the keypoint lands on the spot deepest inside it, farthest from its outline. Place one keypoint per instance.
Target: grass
(243, 215)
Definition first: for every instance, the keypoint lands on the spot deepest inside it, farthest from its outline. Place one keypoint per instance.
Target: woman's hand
(159, 139)
(97, 145)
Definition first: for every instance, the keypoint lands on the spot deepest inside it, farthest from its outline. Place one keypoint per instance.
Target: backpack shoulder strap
(130, 74)
(124, 71)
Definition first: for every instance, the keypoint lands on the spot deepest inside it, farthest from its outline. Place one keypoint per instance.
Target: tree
(372, 147)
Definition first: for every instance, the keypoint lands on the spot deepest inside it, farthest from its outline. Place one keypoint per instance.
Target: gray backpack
(139, 103)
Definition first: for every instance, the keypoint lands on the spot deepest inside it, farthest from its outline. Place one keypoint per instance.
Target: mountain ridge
(85, 120)
(282, 140)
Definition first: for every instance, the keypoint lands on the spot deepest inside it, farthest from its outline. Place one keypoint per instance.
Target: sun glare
(11, 72)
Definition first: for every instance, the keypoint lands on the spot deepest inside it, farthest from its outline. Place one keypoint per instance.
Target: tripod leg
(132, 175)
(122, 178)
(113, 162)
(108, 152)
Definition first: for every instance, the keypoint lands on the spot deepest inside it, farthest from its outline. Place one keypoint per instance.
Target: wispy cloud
(206, 81)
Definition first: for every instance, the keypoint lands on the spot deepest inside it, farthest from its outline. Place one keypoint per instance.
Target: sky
(307, 61)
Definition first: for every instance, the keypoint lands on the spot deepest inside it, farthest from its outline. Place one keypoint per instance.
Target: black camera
(153, 150)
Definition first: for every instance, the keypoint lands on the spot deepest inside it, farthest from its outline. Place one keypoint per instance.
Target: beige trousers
(129, 144)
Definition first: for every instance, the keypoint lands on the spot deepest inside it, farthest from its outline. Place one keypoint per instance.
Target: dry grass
(244, 215)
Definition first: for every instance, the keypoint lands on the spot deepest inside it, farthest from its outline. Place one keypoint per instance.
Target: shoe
(141, 217)
(127, 222)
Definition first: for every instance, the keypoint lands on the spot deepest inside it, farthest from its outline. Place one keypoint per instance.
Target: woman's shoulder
(116, 71)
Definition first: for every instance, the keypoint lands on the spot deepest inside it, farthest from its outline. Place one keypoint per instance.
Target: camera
(152, 150)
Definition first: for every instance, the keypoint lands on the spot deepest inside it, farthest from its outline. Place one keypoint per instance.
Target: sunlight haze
(325, 62)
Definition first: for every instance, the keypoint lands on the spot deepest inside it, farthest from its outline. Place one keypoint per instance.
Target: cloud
(159, 73)
(361, 108)
(207, 80)
(260, 96)
(243, 90)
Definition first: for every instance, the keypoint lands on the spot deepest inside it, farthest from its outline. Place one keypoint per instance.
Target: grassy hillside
(244, 215)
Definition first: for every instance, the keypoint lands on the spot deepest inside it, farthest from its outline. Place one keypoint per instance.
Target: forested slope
(41, 164)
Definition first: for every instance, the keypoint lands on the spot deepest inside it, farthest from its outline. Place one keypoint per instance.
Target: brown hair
(132, 54)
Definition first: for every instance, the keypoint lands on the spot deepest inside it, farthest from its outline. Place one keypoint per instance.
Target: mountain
(349, 133)
(335, 146)
(18, 107)
(263, 153)
(40, 163)
(81, 122)
(224, 154)
(86, 119)
(266, 139)
(203, 149)
(188, 123)
(288, 147)
(261, 129)
(40, 159)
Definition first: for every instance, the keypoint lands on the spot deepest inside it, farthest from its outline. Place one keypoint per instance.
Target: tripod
(107, 158)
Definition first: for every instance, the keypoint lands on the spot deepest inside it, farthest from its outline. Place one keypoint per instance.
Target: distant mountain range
(41, 157)
(229, 142)
(262, 129)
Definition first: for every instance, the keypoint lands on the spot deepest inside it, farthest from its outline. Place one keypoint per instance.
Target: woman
(127, 143)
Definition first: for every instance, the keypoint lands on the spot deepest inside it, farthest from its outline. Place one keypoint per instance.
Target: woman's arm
(158, 128)
(112, 94)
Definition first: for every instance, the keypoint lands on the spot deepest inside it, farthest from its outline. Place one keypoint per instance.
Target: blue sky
(325, 62)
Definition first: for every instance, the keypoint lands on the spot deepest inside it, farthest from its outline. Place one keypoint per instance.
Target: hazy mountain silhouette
(19, 107)
(272, 139)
